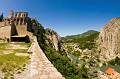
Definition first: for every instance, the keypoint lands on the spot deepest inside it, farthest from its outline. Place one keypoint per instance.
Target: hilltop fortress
(15, 27)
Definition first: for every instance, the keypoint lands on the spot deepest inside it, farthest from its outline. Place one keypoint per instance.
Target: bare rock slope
(109, 40)
(53, 39)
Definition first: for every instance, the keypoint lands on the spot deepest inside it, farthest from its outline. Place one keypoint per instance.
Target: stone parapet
(40, 67)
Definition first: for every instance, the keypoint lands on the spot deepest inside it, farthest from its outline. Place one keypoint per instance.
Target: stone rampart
(21, 30)
(5, 32)
(40, 66)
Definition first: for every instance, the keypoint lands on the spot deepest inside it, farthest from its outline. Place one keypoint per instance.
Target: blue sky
(67, 17)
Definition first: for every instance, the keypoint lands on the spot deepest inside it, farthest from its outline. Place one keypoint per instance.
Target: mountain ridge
(87, 33)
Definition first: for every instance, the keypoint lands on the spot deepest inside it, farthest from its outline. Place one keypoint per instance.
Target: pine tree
(1, 17)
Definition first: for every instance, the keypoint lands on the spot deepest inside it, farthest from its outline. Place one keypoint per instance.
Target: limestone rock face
(53, 39)
(109, 40)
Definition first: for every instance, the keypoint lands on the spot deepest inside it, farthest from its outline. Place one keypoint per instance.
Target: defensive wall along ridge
(40, 67)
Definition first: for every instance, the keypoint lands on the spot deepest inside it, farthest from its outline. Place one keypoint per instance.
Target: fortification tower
(21, 18)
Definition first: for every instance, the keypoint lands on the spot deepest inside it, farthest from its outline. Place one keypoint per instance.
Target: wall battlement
(18, 18)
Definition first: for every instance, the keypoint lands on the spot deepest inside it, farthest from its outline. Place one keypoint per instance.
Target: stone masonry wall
(40, 67)
(21, 30)
(5, 31)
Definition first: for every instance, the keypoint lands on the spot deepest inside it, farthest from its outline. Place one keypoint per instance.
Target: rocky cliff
(109, 40)
(53, 39)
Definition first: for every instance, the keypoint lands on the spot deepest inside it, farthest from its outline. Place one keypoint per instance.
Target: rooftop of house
(110, 71)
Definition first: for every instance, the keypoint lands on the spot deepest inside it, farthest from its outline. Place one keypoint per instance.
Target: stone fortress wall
(18, 22)
(21, 30)
(40, 67)
(5, 32)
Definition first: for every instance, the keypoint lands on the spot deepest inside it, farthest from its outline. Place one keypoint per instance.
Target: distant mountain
(86, 39)
(89, 32)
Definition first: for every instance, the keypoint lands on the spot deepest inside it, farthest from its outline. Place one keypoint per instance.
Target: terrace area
(13, 59)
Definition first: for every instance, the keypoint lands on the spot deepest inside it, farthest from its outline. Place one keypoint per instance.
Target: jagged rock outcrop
(109, 40)
(53, 39)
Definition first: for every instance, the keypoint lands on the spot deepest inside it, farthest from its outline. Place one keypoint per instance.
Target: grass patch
(20, 50)
(9, 63)
(12, 58)
(24, 44)
(3, 45)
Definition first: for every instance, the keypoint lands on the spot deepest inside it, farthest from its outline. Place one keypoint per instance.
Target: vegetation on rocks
(60, 59)
(39, 32)
(68, 69)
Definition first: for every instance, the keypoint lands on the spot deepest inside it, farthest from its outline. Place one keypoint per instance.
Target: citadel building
(15, 27)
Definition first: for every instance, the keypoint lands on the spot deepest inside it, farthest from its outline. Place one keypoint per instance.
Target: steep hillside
(47, 40)
(53, 39)
(46, 37)
(83, 55)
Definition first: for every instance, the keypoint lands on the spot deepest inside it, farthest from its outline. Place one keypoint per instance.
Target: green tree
(1, 17)
(39, 32)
